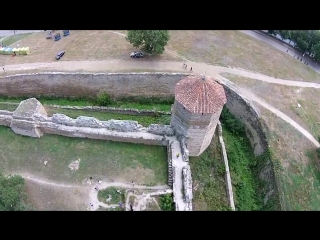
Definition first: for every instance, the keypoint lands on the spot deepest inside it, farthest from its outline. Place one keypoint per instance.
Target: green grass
(208, 173)
(301, 184)
(8, 107)
(116, 197)
(245, 185)
(15, 38)
(243, 164)
(104, 116)
(87, 102)
(144, 164)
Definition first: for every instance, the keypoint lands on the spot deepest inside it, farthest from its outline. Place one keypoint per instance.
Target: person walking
(191, 69)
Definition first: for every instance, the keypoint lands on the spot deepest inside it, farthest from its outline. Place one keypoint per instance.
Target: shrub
(103, 99)
(166, 202)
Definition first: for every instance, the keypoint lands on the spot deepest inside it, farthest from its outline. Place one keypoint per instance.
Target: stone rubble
(187, 184)
(163, 130)
(91, 122)
(184, 148)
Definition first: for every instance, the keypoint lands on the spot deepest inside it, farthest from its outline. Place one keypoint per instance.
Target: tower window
(202, 114)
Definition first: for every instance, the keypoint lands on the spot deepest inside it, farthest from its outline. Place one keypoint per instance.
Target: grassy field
(15, 38)
(297, 165)
(287, 100)
(99, 159)
(104, 116)
(79, 45)
(209, 186)
(83, 102)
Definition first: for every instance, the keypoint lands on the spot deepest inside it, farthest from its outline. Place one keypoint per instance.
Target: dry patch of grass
(286, 99)
(51, 198)
(236, 49)
(79, 45)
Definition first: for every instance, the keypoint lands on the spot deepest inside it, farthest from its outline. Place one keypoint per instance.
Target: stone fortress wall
(124, 85)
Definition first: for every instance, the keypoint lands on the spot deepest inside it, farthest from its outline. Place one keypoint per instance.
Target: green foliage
(306, 40)
(242, 164)
(103, 99)
(116, 197)
(166, 202)
(233, 124)
(208, 176)
(148, 103)
(151, 41)
(12, 194)
(318, 152)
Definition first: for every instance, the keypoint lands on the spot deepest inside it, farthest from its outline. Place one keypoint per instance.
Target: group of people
(185, 66)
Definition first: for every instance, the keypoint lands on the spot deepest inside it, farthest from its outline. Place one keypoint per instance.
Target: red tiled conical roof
(200, 96)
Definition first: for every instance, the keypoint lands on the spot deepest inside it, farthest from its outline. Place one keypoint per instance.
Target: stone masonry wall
(128, 84)
(89, 84)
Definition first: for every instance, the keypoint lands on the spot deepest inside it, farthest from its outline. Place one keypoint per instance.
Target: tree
(12, 194)
(285, 34)
(151, 41)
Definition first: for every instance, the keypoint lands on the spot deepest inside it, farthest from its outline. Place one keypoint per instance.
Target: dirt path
(141, 64)
(92, 200)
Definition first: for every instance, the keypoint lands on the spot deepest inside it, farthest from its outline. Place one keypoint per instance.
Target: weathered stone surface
(122, 125)
(184, 148)
(187, 184)
(83, 121)
(89, 84)
(63, 119)
(24, 121)
(129, 111)
(27, 108)
(164, 130)
(5, 112)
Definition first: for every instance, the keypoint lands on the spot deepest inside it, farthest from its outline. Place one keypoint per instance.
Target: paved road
(282, 47)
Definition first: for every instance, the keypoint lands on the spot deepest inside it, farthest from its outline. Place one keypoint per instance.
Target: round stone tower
(196, 110)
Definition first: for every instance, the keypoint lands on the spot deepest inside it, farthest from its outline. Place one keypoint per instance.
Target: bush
(166, 202)
(103, 99)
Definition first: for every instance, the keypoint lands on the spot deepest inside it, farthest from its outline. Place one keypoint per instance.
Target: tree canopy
(305, 40)
(150, 41)
(12, 194)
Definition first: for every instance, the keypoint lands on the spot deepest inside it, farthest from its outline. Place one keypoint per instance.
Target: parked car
(60, 54)
(136, 55)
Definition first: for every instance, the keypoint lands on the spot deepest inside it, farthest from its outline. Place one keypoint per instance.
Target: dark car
(136, 55)
(60, 54)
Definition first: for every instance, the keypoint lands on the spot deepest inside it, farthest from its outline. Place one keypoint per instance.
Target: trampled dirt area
(54, 198)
